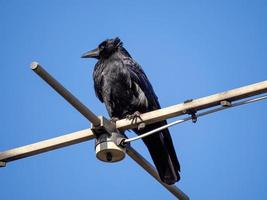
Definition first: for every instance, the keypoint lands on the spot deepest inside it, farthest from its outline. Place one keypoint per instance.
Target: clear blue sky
(188, 49)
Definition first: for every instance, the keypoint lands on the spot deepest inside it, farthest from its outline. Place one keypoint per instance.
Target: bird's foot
(134, 117)
(114, 119)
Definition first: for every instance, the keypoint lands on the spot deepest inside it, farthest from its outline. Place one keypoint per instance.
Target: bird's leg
(134, 117)
(114, 119)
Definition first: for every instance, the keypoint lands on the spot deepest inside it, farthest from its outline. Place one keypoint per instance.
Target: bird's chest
(115, 82)
(121, 94)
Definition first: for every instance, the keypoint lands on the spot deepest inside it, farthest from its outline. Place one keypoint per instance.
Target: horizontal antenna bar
(230, 105)
(86, 112)
(161, 114)
(196, 105)
(46, 145)
(74, 138)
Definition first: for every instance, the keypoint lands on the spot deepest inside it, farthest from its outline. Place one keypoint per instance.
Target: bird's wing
(98, 81)
(139, 77)
(160, 145)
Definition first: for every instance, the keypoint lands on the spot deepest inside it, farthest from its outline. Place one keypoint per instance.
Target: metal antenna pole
(195, 105)
(152, 171)
(46, 145)
(86, 112)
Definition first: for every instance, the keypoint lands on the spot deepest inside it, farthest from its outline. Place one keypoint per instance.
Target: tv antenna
(111, 146)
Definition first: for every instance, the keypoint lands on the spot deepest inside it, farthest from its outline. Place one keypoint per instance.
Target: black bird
(121, 83)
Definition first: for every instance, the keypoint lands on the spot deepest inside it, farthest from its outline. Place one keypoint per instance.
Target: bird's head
(104, 49)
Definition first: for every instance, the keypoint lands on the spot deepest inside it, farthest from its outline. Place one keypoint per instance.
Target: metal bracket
(188, 100)
(108, 141)
(2, 164)
(191, 112)
(104, 126)
(226, 103)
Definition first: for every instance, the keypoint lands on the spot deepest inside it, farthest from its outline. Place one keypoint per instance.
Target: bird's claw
(134, 117)
(141, 126)
(114, 119)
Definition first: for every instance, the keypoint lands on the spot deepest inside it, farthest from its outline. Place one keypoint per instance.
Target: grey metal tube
(46, 145)
(138, 158)
(65, 93)
(231, 105)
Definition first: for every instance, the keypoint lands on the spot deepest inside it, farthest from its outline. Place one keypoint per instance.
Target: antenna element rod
(65, 93)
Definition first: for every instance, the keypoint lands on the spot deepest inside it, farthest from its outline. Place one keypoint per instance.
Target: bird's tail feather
(163, 154)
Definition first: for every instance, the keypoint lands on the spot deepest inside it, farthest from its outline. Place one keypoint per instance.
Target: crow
(121, 84)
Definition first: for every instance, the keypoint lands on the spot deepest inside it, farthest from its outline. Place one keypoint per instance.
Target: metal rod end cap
(34, 65)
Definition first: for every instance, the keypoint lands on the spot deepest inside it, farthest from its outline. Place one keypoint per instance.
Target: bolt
(109, 157)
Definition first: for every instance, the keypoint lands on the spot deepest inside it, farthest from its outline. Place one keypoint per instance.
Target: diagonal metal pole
(86, 112)
(138, 158)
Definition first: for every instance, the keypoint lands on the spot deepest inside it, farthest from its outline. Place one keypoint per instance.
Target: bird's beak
(91, 54)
